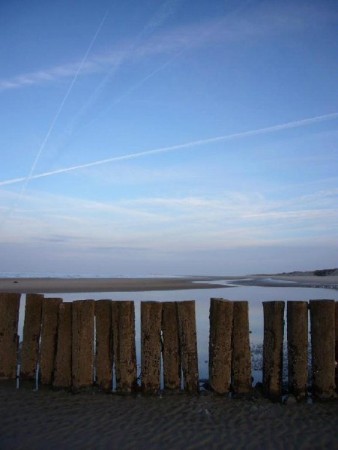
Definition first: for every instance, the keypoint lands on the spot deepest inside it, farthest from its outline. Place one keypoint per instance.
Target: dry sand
(45, 419)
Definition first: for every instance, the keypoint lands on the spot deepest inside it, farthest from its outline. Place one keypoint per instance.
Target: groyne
(86, 343)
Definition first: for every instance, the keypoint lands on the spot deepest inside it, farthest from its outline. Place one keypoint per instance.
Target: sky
(170, 137)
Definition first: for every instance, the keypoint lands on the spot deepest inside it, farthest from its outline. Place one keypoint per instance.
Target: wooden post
(273, 349)
(322, 314)
(151, 318)
(50, 311)
(63, 361)
(9, 317)
(104, 362)
(336, 345)
(83, 343)
(221, 322)
(188, 344)
(241, 355)
(31, 336)
(297, 336)
(116, 373)
(123, 322)
(336, 352)
(171, 347)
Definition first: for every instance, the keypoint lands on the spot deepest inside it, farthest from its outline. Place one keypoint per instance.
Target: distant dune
(319, 273)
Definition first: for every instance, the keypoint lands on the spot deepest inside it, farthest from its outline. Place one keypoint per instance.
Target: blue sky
(168, 137)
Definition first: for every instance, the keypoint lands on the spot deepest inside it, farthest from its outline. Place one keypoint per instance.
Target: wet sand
(49, 285)
(63, 285)
(59, 420)
(330, 281)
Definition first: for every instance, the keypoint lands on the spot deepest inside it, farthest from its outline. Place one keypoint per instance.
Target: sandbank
(64, 285)
(312, 281)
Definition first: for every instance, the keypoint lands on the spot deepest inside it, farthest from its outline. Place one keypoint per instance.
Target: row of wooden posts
(67, 340)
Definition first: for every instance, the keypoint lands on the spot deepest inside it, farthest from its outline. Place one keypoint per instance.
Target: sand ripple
(59, 420)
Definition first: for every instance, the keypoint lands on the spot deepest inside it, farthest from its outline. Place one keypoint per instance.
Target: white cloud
(172, 223)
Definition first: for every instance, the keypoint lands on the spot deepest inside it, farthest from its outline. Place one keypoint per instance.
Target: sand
(63, 285)
(48, 285)
(60, 420)
(330, 281)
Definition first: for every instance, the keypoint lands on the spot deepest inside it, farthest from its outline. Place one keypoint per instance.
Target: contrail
(162, 14)
(187, 145)
(44, 142)
(30, 176)
(135, 86)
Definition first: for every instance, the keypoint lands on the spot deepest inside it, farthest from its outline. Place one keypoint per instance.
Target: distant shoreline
(68, 285)
(64, 285)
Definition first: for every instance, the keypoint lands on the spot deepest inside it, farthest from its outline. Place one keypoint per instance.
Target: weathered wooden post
(297, 337)
(116, 373)
(104, 351)
(50, 312)
(188, 344)
(31, 336)
(273, 348)
(241, 355)
(151, 318)
(82, 343)
(322, 314)
(63, 360)
(123, 325)
(336, 333)
(9, 317)
(171, 347)
(220, 336)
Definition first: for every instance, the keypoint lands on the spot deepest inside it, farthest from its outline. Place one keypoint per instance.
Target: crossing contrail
(164, 11)
(187, 145)
(30, 175)
(58, 112)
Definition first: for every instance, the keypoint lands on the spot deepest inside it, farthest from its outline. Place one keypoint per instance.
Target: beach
(62, 285)
(57, 419)
(47, 418)
(48, 285)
